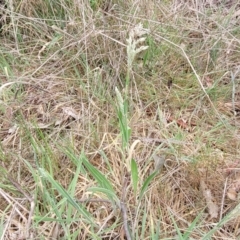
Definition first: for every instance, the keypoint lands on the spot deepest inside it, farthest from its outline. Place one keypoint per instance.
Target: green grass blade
(187, 233)
(180, 236)
(156, 235)
(234, 213)
(146, 183)
(65, 194)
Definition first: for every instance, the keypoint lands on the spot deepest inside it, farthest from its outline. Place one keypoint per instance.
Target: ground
(119, 119)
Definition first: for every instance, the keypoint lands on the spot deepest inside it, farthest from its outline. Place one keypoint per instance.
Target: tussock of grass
(87, 104)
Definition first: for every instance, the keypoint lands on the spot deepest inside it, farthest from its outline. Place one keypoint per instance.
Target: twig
(223, 198)
(123, 207)
(125, 223)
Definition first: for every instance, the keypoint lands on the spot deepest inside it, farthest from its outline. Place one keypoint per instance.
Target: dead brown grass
(66, 71)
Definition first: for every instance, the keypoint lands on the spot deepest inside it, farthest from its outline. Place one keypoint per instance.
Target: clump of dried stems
(119, 119)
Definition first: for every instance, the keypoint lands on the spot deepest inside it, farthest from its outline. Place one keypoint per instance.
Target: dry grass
(60, 62)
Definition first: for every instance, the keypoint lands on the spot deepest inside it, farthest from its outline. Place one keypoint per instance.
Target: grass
(119, 120)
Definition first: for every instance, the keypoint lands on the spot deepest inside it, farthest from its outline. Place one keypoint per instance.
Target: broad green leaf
(134, 173)
(101, 179)
(108, 193)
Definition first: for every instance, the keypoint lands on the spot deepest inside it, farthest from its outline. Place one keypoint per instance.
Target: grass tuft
(119, 120)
